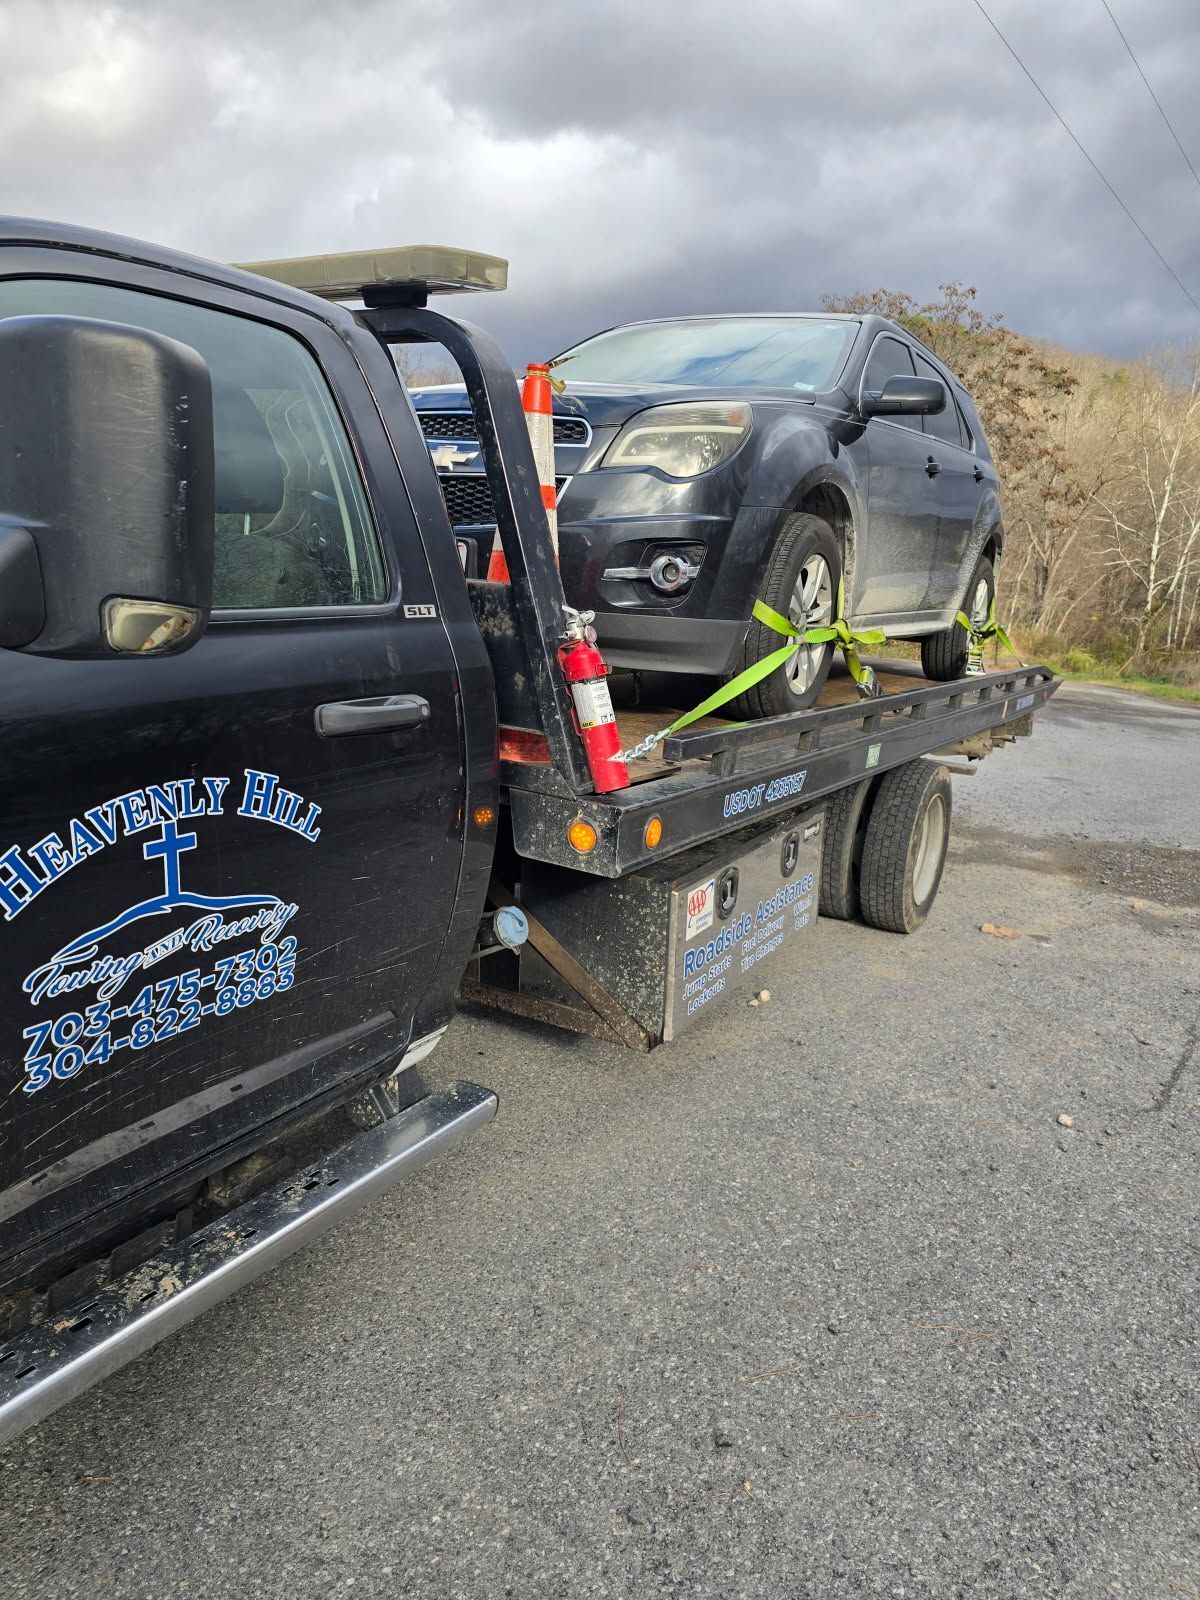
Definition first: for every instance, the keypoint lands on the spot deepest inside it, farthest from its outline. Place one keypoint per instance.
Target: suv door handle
(932, 467)
(379, 714)
(979, 474)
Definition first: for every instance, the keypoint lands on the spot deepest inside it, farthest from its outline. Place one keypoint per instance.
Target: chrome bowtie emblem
(446, 457)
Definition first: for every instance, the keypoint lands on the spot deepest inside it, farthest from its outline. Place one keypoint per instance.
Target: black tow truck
(282, 782)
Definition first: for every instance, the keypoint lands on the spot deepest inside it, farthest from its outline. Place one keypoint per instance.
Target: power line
(1151, 92)
(1074, 140)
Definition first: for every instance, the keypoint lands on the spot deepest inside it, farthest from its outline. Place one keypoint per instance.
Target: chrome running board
(53, 1362)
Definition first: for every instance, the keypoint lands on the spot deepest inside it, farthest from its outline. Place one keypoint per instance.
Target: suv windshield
(804, 353)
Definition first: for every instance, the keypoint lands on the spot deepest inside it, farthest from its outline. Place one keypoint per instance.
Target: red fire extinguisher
(587, 675)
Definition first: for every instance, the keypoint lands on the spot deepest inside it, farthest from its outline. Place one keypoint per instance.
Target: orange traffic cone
(537, 403)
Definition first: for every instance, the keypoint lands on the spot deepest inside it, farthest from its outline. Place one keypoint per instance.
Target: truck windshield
(805, 353)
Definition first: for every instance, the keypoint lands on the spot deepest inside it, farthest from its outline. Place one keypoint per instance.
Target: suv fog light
(668, 570)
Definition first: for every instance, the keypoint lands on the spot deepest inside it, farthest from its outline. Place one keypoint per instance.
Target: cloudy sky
(636, 157)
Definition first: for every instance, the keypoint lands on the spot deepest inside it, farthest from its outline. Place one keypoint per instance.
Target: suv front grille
(468, 498)
(447, 424)
(461, 425)
(571, 430)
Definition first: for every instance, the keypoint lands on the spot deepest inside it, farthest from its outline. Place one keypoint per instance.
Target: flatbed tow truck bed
(611, 957)
(717, 775)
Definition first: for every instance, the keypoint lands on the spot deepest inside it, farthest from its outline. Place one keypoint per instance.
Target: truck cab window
(292, 527)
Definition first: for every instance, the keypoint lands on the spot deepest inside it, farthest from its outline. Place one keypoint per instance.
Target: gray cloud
(636, 158)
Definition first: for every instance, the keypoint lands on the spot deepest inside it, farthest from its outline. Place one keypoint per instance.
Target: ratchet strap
(839, 633)
(989, 628)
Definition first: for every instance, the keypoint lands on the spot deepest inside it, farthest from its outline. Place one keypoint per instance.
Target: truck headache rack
(49, 1364)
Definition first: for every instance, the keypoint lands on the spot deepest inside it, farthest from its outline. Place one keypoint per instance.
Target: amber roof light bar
(405, 273)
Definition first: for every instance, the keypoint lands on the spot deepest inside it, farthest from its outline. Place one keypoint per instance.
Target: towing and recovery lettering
(93, 973)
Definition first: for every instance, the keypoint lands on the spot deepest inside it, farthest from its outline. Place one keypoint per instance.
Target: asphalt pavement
(826, 1300)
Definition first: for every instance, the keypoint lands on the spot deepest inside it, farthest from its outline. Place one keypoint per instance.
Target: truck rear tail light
(524, 747)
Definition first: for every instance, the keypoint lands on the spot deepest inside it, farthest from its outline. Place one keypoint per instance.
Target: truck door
(225, 876)
(902, 500)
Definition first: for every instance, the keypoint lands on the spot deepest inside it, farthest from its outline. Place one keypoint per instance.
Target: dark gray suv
(705, 462)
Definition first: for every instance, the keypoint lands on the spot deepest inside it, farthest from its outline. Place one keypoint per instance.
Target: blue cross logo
(167, 848)
(170, 847)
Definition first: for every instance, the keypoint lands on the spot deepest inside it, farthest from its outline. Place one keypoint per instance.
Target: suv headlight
(682, 440)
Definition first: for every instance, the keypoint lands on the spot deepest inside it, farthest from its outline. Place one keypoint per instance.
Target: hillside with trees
(1100, 471)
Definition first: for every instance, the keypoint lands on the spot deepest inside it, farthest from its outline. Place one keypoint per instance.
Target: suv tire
(801, 583)
(944, 654)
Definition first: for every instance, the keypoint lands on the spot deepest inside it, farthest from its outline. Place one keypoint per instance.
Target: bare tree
(420, 366)
(1150, 505)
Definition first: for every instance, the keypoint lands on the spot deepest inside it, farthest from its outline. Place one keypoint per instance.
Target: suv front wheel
(801, 583)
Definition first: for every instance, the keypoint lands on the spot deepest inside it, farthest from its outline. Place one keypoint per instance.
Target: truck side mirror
(906, 396)
(106, 489)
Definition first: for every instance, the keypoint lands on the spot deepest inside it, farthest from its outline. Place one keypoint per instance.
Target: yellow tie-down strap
(840, 633)
(989, 628)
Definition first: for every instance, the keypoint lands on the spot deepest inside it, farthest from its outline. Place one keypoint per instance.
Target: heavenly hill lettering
(25, 873)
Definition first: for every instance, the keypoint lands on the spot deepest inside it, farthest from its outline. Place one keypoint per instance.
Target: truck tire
(904, 847)
(846, 815)
(803, 573)
(944, 654)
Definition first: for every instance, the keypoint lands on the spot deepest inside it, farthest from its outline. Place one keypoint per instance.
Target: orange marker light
(483, 816)
(653, 833)
(581, 836)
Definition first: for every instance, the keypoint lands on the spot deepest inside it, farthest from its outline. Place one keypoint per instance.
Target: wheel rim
(811, 606)
(929, 849)
(980, 601)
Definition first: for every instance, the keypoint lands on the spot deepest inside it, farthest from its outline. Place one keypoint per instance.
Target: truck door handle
(979, 474)
(932, 467)
(379, 714)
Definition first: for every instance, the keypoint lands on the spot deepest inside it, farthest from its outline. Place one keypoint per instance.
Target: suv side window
(943, 424)
(964, 426)
(888, 358)
(292, 527)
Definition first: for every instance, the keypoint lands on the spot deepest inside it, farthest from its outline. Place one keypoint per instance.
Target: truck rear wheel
(846, 815)
(904, 847)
